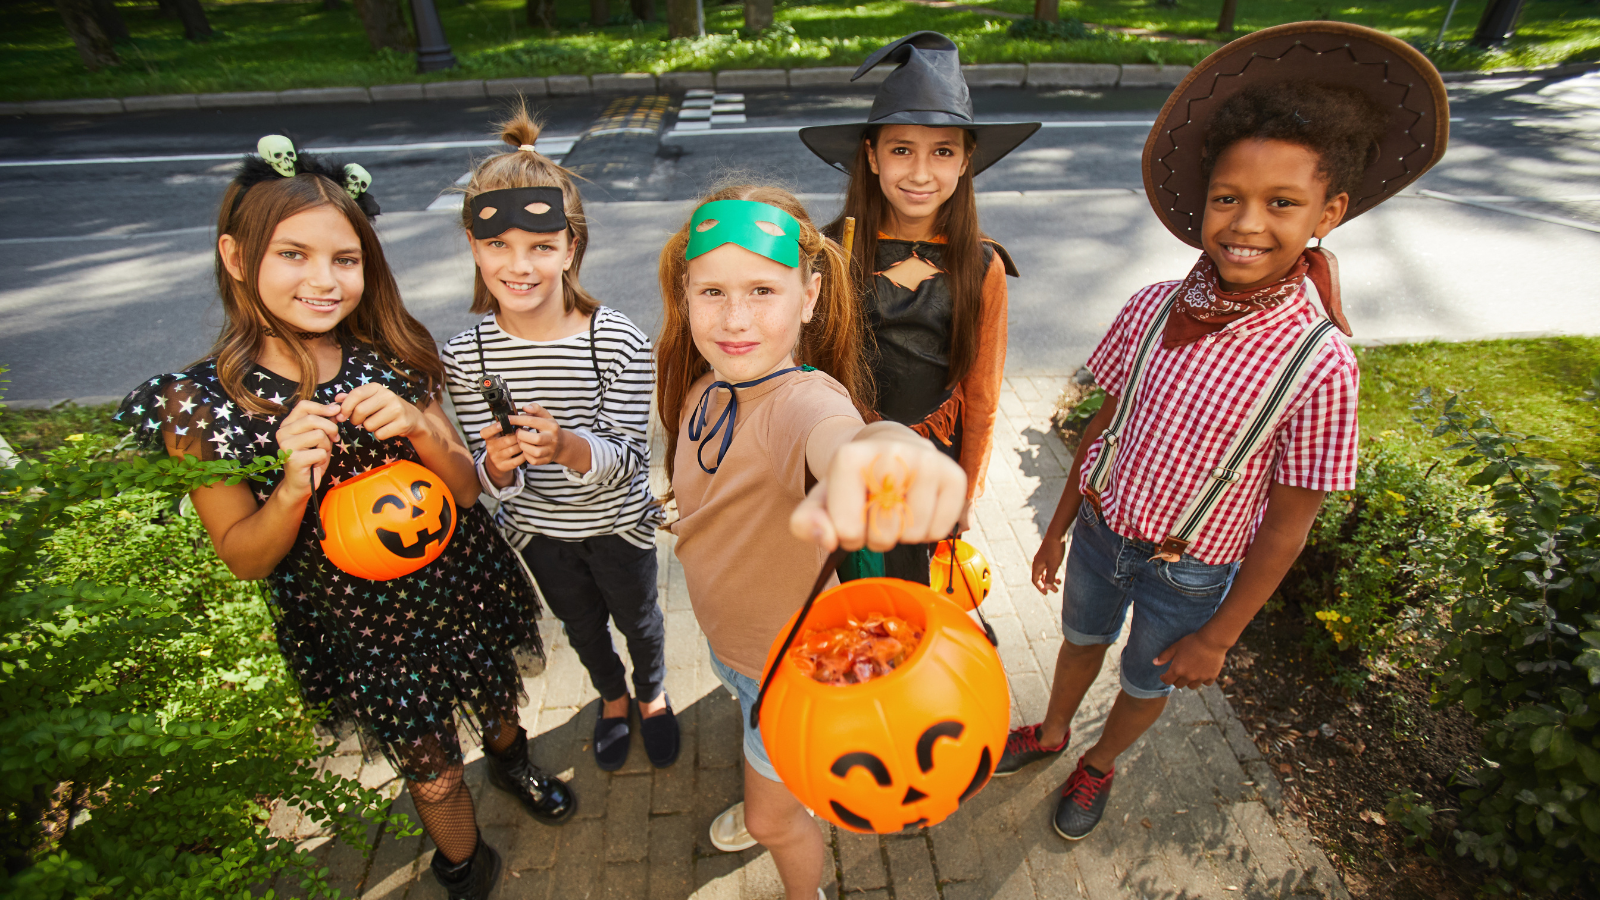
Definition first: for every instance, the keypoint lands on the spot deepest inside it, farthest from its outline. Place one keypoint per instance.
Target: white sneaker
(728, 833)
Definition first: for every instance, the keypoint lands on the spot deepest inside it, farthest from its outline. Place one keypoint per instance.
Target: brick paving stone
(956, 851)
(910, 869)
(718, 789)
(626, 881)
(672, 790)
(628, 818)
(861, 860)
(719, 877)
(580, 858)
(719, 724)
(672, 841)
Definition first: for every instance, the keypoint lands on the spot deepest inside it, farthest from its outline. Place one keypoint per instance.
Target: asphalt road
(105, 222)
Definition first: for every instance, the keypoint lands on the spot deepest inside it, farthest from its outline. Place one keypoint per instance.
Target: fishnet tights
(443, 801)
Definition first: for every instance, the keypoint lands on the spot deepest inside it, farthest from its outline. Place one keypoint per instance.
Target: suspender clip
(1170, 550)
(1226, 476)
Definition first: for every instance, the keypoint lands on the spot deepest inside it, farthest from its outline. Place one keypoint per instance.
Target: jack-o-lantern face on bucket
(388, 522)
(905, 749)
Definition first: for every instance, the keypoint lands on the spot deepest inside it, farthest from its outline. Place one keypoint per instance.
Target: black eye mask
(496, 212)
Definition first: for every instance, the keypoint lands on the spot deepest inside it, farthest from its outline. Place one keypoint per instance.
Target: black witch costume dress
(395, 660)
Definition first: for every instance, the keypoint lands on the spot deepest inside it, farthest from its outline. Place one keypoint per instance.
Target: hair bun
(520, 130)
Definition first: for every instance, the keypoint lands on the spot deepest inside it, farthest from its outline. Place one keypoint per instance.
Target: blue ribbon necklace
(730, 414)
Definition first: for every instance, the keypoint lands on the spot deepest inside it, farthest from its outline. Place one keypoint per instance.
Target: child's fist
(885, 487)
(380, 411)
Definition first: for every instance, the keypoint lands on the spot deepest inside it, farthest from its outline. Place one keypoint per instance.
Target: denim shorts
(744, 689)
(1106, 573)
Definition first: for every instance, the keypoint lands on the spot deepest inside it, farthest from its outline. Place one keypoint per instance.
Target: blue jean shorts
(1107, 573)
(744, 689)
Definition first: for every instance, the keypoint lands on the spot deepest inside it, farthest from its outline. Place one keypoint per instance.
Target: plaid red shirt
(1193, 399)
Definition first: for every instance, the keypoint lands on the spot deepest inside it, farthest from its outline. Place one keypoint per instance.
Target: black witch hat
(927, 89)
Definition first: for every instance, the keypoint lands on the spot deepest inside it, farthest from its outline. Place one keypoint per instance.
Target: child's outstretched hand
(380, 411)
(886, 486)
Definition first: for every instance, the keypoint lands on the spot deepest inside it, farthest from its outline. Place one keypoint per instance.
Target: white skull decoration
(356, 181)
(279, 151)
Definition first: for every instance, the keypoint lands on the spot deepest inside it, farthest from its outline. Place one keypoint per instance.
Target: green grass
(1530, 386)
(31, 432)
(1550, 32)
(283, 45)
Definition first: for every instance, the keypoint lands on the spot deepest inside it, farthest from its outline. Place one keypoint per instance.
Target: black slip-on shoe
(545, 797)
(662, 739)
(611, 740)
(1023, 747)
(472, 879)
(1082, 803)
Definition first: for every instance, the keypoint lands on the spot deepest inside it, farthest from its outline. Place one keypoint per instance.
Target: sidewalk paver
(1195, 814)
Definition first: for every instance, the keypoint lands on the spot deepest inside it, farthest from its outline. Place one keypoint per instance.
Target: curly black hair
(1342, 125)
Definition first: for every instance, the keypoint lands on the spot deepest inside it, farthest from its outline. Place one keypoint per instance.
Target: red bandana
(1203, 307)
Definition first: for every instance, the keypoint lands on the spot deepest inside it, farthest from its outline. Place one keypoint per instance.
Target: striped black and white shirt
(613, 415)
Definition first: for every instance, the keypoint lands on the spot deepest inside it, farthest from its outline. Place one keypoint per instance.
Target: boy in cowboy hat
(1232, 408)
(934, 283)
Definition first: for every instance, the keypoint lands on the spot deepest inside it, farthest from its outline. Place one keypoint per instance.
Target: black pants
(588, 582)
(911, 561)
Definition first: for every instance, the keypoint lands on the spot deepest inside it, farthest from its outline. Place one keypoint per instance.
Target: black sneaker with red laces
(1082, 803)
(1023, 747)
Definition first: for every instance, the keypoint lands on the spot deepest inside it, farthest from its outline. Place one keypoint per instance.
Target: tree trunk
(542, 14)
(1047, 10)
(169, 9)
(105, 12)
(599, 12)
(1498, 24)
(685, 19)
(385, 24)
(1225, 21)
(94, 46)
(193, 17)
(757, 15)
(643, 10)
(330, 5)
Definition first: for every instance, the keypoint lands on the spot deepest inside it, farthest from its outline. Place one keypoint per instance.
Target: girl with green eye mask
(761, 384)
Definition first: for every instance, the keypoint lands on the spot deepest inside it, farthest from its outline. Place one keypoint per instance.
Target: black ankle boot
(472, 879)
(546, 798)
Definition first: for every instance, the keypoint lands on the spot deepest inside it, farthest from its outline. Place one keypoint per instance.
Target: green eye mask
(735, 222)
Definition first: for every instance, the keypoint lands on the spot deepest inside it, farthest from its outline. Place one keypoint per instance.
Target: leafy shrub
(145, 713)
(1039, 30)
(1355, 578)
(1522, 653)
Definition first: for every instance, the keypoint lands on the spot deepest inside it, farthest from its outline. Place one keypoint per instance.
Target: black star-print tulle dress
(394, 658)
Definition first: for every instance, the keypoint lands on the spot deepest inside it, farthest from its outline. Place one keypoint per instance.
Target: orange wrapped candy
(861, 651)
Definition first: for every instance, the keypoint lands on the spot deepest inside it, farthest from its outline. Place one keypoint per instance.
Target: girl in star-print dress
(355, 385)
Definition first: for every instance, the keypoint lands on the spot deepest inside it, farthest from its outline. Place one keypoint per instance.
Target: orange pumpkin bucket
(906, 747)
(387, 522)
(959, 573)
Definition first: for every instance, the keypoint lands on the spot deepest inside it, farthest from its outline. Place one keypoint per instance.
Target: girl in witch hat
(1231, 404)
(934, 283)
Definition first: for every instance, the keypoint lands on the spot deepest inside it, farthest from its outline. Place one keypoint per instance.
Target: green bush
(1356, 577)
(1522, 652)
(145, 714)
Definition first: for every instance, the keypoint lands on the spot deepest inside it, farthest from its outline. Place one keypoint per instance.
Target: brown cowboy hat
(1385, 68)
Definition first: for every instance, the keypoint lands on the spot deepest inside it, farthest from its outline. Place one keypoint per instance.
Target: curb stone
(1018, 75)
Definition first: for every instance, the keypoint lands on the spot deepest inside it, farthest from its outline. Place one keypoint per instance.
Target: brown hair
(834, 341)
(519, 168)
(962, 258)
(1342, 125)
(380, 320)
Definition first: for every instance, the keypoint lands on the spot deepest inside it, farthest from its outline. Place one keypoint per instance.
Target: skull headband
(739, 222)
(277, 158)
(496, 212)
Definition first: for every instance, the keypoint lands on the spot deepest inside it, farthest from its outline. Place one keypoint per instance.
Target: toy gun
(498, 396)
